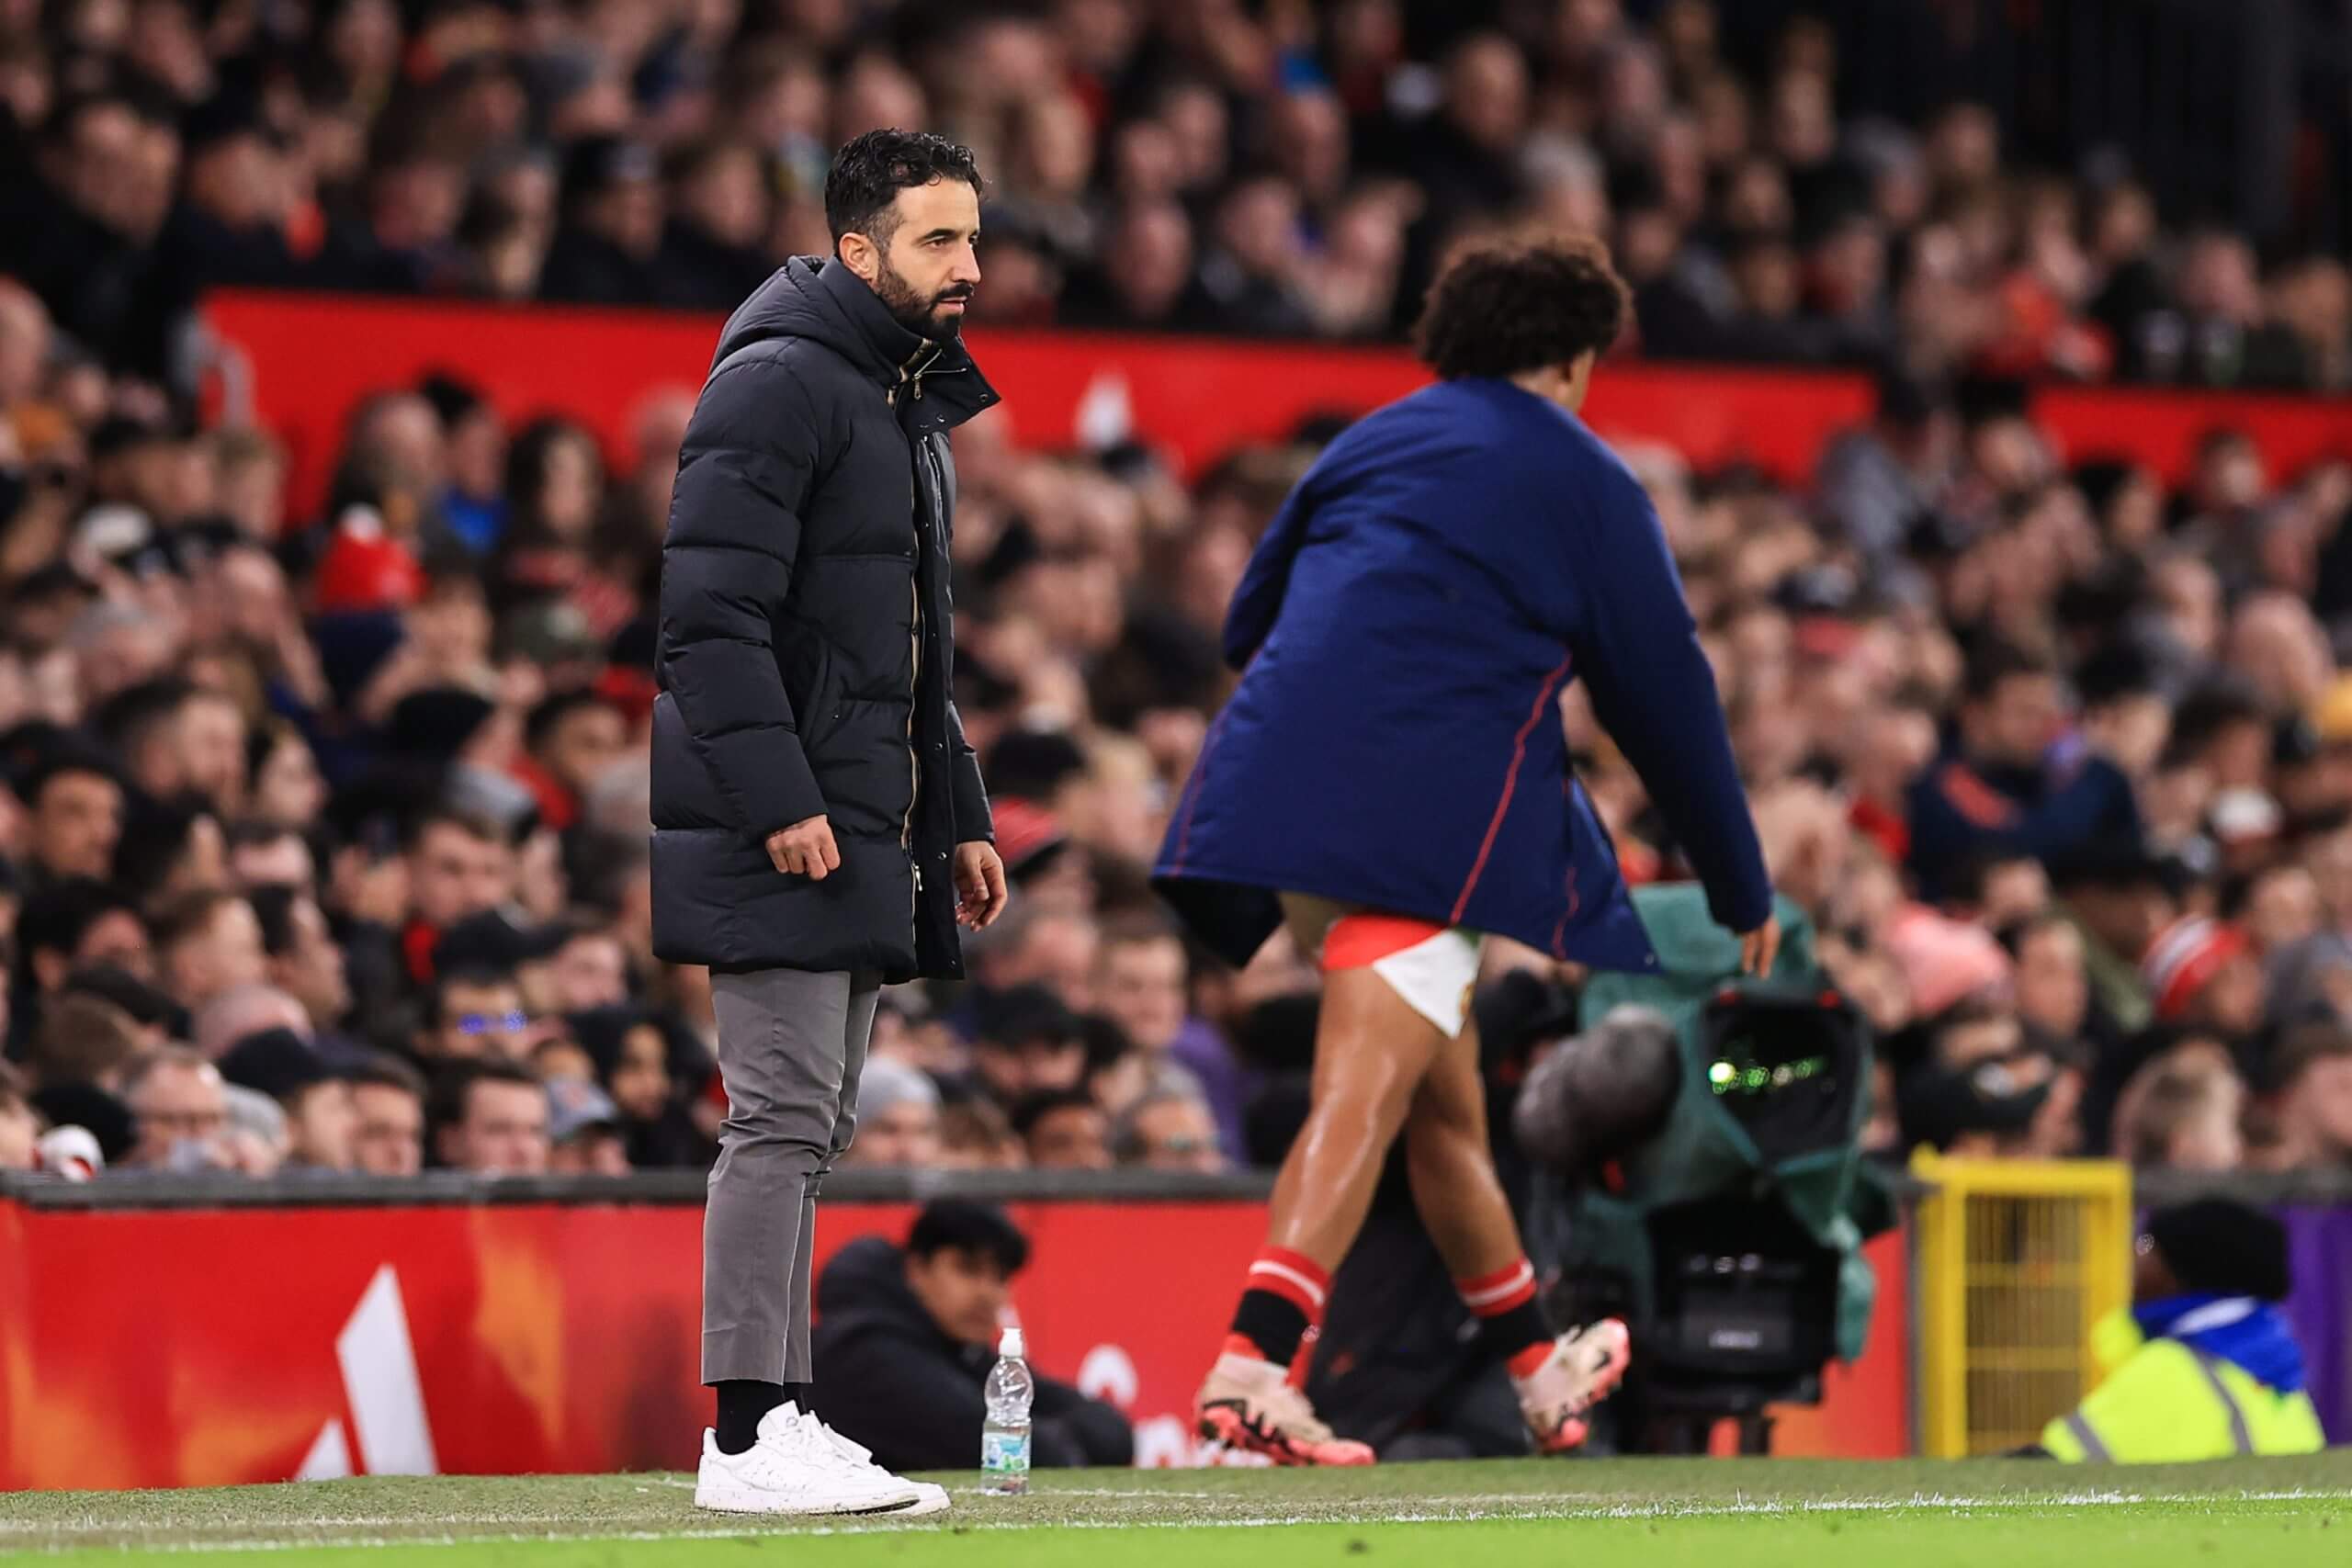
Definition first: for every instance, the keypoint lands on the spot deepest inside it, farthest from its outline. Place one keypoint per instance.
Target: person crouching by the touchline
(905, 1337)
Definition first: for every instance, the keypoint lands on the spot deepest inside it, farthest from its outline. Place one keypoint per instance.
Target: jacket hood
(823, 301)
(868, 1276)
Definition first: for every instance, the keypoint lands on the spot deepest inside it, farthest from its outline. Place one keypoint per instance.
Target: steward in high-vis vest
(2203, 1365)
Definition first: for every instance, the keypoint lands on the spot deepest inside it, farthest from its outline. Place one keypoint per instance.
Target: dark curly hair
(870, 171)
(1505, 306)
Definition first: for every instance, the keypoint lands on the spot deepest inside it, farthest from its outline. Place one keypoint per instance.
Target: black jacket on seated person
(806, 653)
(889, 1377)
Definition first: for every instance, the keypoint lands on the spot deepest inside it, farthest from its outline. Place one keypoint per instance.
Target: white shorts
(1432, 967)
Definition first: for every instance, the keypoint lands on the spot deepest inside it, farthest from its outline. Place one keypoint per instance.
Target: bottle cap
(1010, 1345)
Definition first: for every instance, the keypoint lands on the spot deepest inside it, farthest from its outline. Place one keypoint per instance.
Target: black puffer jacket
(806, 647)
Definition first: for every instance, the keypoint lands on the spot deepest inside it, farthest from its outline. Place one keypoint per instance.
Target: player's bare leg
(1462, 1204)
(1370, 1050)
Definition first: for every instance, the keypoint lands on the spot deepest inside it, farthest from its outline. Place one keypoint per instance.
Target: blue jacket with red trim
(1958, 809)
(1405, 630)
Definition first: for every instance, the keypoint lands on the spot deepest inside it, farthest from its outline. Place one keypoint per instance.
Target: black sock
(1273, 1323)
(1508, 1335)
(803, 1395)
(741, 1405)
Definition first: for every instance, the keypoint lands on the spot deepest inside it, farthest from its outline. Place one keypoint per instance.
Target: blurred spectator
(2117, 898)
(570, 741)
(1999, 787)
(2181, 1113)
(268, 856)
(182, 1114)
(2053, 991)
(2311, 1071)
(1028, 1044)
(713, 250)
(1064, 1130)
(586, 970)
(610, 235)
(458, 865)
(473, 1014)
(304, 960)
(76, 808)
(208, 942)
(975, 1135)
(1168, 1131)
(19, 1123)
(2015, 1105)
(243, 1010)
(2199, 972)
(584, 1132)
(388, 1110)
(898, 1117)
(86, 1040)
(1041, 949)
(70, 923)
(1140, 981)
(641, 1071)
(490, 1117)
(320, 1122)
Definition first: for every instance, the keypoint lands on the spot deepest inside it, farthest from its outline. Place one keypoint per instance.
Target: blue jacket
(1405, 628)
(1959, 809)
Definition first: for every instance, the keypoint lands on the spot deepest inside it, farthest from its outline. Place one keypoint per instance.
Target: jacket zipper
(914, 686)
(914, 694)
(911, 376)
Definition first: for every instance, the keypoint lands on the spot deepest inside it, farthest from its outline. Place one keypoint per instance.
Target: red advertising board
(194, 1348)
(304, 360)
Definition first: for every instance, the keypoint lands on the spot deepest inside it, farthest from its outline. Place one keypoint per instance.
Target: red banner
(308, 359)
(209, 1346)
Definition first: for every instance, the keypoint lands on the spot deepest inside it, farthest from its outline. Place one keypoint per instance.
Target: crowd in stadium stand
(1263, 168)
(323, 838)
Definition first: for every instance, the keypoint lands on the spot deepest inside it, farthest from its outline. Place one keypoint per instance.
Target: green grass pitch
(1605, 1514)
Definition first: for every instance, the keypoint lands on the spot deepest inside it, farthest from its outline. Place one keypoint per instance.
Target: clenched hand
(805, 849)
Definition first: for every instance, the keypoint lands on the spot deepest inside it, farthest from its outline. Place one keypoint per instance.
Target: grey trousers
(791, 1045)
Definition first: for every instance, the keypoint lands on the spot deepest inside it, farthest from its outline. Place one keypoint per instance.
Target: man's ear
(860, 254)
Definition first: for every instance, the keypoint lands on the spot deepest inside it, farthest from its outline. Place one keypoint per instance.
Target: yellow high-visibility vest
(2166, 1402)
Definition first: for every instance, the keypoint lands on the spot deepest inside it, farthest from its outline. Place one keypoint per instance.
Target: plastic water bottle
(1004, 1436)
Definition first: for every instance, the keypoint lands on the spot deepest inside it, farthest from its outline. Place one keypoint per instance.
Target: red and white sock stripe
(1293, 1276)
(1504, 1289)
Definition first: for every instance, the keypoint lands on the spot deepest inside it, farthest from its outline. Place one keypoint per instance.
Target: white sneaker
(930, 1497)
(792, 1469)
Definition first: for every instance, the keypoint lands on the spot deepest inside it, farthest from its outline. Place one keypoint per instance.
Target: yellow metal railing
(2016, 1260)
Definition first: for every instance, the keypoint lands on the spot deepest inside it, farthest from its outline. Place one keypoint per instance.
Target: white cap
(70, 1152)
(1010, 1345)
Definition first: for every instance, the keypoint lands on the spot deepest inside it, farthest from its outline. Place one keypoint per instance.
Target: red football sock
(1511, 1320)
(1282, 1298)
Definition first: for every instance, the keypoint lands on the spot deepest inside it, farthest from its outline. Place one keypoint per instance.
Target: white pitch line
(682, 1484)
(1472, 1507)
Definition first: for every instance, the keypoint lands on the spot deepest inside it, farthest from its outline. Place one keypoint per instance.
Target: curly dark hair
(1505, 306)
(870, 171)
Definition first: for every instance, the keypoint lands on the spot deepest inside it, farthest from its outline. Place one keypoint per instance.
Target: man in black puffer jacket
(820, 825)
